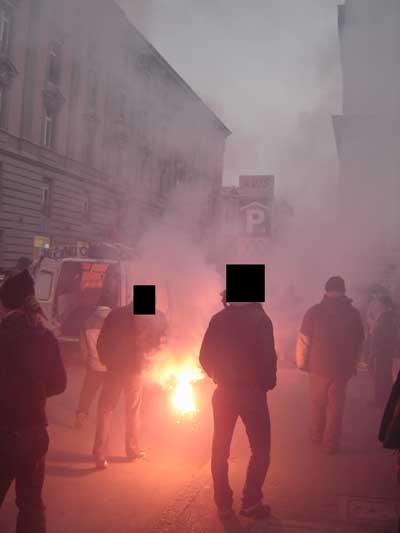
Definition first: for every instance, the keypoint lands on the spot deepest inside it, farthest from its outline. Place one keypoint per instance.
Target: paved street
(171, 490)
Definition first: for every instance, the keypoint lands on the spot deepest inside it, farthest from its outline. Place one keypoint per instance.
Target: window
(88, 154)
(3, 107)
(54, 70)
(86, 207)
(121, 106)
(5, 26)
(92, 94)
(48, 130)
(46, 199)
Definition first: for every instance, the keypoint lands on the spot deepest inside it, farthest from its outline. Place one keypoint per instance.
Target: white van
(68, 289)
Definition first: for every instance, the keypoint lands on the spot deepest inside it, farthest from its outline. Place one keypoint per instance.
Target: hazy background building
(245, 219)
(368, 131)
(96, 128)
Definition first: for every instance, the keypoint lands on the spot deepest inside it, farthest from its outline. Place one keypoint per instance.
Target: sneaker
(101, 464)
(261, 511)
(80, 420)
(225, 513)
(134, 456)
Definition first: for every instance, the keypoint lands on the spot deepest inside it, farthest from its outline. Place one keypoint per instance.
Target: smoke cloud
(271, 71)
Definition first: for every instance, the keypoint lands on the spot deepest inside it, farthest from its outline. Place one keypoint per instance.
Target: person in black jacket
(31, 370)
(238, 353)
(124, 341)
(329, 348)
(389, 431)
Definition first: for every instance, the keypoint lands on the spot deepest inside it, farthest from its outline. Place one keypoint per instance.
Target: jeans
(327, 407)
(28, 474)
(251, 406)
(114, 384)
(91, 384)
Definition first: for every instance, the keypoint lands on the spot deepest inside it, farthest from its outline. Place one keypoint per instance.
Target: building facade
(96, 128)
(368, 130)
(245, 219)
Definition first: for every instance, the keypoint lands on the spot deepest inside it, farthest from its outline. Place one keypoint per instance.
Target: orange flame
(178, 378)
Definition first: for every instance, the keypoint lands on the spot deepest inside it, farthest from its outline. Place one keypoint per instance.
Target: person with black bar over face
(128, 336)
(238, 353)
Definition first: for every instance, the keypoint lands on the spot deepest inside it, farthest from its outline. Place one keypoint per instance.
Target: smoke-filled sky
(268, 68)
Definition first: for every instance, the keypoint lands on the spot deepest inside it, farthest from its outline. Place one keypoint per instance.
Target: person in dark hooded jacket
(238, 353)
(389, 431)
(31, 370)
(383, 348)
(329, 347)
(124, 344)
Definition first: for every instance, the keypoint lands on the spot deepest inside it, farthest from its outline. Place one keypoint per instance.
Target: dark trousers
(28, 474)
(114, 384)
(382, 380)
(91, 385)
(327, 407)
(251, 406)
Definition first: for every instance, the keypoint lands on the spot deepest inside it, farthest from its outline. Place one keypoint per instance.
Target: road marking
(371, 510)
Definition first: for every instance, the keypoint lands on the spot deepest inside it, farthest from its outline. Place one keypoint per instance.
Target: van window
(43, 285)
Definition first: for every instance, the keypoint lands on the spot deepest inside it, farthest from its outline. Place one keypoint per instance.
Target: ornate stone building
(96, 128)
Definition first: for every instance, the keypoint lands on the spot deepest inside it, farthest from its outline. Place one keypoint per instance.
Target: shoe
(261, 511)
(134, 456)
(101, 464)
(225, 513)
(80, 420)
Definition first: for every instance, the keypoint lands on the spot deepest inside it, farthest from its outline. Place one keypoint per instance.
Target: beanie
(335, 284)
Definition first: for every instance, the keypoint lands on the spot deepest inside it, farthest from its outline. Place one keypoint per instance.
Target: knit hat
(335, 284)
(16, 289)
(23, 263)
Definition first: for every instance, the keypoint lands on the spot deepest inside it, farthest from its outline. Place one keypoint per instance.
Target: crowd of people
(237, 352)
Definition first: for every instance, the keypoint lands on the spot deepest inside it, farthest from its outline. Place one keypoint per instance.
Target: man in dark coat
(389, 431)
(31, 370)
(123, 344)
(329, 347)
(238, 353)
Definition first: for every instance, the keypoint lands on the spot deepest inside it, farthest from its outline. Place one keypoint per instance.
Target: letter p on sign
(255, 221)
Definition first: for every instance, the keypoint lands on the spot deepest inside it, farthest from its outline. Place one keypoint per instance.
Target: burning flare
(178, 378)
(183, 398)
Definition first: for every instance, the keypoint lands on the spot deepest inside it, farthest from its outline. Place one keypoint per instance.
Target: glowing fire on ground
(178, 378)
(183, 399)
